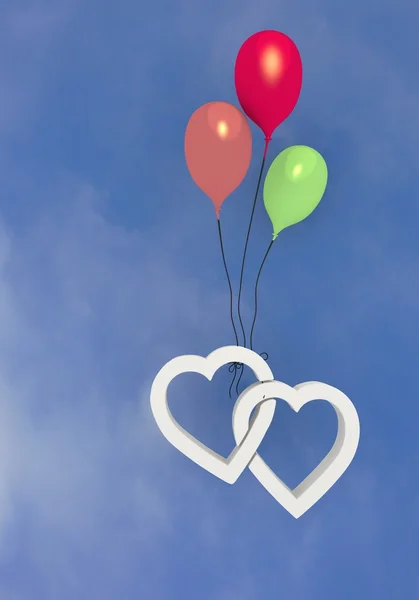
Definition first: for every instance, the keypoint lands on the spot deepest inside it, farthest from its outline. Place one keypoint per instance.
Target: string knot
(233, 368)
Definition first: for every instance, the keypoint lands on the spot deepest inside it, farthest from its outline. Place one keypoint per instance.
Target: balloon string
(234, 366)
(228, 280)
(267, 140)
(256, 294)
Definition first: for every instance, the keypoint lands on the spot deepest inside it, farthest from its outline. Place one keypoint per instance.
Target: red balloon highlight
(218, 149)
(268, 77)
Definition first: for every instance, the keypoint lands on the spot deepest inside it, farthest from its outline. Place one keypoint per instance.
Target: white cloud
(78, 299)
(90, 311)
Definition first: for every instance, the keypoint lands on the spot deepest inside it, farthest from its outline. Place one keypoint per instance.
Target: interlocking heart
(249, 432)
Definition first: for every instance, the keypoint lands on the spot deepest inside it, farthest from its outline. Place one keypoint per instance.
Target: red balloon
(218, 149)
(268, 76)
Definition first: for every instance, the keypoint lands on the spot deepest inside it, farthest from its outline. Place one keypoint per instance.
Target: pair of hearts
(249, 432)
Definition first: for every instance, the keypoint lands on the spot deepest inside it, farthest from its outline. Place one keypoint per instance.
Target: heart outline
(228, 469)
(333, 465)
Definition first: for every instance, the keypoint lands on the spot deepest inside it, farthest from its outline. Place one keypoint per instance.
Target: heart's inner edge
(333, 458)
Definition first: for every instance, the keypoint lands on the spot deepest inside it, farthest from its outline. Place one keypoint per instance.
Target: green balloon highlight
(294, 185)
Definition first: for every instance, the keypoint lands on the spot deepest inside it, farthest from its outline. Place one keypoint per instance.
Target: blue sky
(109, 267)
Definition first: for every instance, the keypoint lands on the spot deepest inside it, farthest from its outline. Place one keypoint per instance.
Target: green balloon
(294, 185)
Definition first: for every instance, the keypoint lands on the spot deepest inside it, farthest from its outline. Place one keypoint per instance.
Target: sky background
(110, 266)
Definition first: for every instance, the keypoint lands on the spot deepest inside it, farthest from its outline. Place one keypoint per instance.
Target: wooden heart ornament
(226, 469)
(249, 429)
(325, 475)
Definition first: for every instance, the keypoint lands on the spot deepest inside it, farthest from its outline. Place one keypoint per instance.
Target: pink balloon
(218, 149)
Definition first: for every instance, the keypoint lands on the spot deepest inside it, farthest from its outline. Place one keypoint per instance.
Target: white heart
(231, 468)
(325, 475)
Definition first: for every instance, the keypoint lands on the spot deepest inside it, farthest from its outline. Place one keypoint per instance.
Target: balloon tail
(267, 140)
